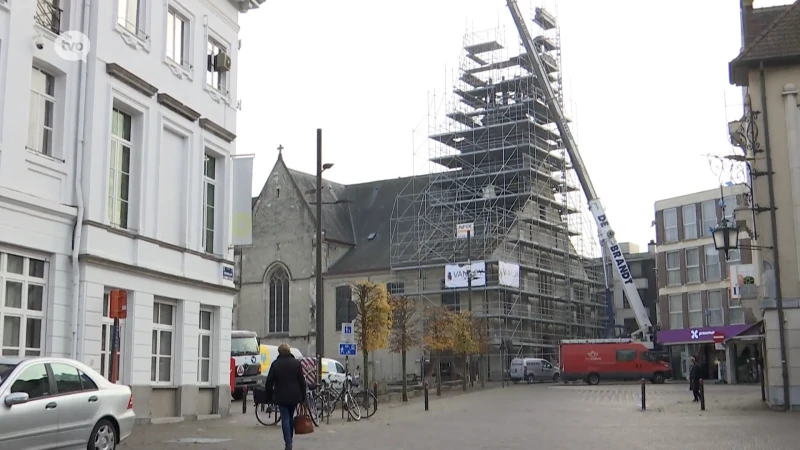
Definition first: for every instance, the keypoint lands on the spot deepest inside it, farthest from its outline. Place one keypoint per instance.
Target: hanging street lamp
(726, 236)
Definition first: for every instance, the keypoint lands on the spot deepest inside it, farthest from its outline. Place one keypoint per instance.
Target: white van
(532, 369)
(269, 353)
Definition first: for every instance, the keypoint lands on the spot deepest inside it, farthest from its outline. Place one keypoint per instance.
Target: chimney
(651, 246)
(746, 12)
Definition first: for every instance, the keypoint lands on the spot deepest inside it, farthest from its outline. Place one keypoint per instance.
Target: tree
(438, 336)
(480, 329)
(374, 320)
(464, 342)
(405, 335)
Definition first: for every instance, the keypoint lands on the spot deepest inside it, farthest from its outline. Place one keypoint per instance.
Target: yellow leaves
(463, 330)
(404, 334)
(438, 328)
(374, 321)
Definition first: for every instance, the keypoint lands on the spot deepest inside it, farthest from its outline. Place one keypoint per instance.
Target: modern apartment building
(694, 288)
(115, 173)
(643, 269)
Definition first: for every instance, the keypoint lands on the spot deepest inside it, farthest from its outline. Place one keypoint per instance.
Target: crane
(645, 332)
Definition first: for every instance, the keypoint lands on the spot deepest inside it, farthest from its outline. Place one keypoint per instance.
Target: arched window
(279, 300)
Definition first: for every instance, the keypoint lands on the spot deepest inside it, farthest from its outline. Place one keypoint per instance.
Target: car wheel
(658, 378)
(593, 379)
(237, 394)
(556, 377)
(103, 437)
(515, 381)
(529, 379)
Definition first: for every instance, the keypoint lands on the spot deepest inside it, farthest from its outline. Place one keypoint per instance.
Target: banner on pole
(241, 203)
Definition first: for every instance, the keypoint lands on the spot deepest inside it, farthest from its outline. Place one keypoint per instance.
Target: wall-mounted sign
(227, 273)
(509, 274)
(456, 275)
(741, 274)
(463, 228)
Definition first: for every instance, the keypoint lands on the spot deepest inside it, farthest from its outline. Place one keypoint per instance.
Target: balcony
(48, 15)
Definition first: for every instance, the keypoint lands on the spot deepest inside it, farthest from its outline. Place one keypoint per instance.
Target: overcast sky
(646, 84)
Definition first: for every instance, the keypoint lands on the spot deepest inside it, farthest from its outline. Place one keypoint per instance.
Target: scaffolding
(497, 161)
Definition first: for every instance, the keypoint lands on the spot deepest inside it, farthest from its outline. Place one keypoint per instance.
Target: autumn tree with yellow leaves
(374, 321)
(480, 330)
(464, 342)
(405, 333)
(438, 337)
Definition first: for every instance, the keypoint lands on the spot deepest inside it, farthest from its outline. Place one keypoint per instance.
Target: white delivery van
(532, 369)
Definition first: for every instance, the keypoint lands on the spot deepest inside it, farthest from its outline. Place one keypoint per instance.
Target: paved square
(522, 416)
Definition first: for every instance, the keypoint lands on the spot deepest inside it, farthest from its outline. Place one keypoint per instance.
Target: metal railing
(48, 15)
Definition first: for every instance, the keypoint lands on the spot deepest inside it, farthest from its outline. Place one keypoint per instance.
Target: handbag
(302, 421)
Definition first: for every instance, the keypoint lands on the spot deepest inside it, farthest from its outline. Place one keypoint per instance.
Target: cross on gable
(280, 148)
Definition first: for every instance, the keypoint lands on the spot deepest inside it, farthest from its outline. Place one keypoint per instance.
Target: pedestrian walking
(287, 387)
(694, 378)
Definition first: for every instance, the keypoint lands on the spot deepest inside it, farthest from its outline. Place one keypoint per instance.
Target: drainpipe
(76, 352)
(790, 105)
(775, 246)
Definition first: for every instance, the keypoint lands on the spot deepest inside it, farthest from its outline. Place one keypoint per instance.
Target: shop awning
(751, 333)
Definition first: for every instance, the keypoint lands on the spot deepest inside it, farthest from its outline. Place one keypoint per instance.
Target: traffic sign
(719, 340)
(347, 331)
(347, 349)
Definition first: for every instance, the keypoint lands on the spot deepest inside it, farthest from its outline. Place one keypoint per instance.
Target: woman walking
(287, 388)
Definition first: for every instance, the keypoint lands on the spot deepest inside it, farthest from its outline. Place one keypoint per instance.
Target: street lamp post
(320, 300)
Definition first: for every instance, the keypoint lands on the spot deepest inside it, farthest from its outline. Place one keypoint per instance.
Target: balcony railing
(48, 15)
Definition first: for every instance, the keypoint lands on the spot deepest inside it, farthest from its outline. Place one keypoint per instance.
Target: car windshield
(5, 371)
(244, 346)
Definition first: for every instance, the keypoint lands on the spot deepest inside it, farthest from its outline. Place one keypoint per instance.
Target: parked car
(532, 369)
(50, 403)
(623, 361)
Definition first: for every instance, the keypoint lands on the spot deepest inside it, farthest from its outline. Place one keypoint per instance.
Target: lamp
(726, 236)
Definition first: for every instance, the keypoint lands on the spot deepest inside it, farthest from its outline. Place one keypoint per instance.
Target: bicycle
(367, 401)
(331, 396)
(265, 411)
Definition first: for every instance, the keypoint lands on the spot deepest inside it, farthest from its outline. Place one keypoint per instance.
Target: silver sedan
(50, 403)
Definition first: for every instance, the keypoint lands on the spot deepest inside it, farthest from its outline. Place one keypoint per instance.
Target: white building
(127, 155)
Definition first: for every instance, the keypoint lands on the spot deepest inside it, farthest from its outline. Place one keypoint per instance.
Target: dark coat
(694, 376)
(285, 382)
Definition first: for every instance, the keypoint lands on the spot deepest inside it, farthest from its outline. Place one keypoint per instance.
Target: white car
(48, 403)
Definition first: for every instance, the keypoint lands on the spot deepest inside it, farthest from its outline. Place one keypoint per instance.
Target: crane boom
(645, 331)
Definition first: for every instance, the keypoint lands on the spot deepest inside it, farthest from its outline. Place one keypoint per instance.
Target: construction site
(498, 169)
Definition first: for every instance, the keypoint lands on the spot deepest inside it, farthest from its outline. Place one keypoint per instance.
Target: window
(178, 38)
(33, 381)
(204, 346)
(453, 302)
(675, 311)
(626, 355)
(22, 305)
(395, 288)
(715, 318)
(735, 311)
(712, 266)
(692, 265)
(209, 197)
(689, 222)
(161, 343)
(695, 310)
(67, 378)
(730, 207)
(215, 78)
(119, 169)
(42, 110)
(636, 269)
(48, 15)
(735, 255)
(107, 343)
(673, 269)
(346, 309)
(709, 216)
(131, 16)
(279, 301)
(671, 225)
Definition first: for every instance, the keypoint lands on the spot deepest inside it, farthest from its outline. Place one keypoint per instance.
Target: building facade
(694, 284)
(642, 266)
(115, 164)
(768, 70)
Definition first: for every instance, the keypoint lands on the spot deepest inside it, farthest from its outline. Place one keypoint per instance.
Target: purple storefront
(699, 342)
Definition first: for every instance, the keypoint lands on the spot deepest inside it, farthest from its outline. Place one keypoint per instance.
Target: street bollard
(644, 394)
(244, 400)
(426, 396)
(375, 399)
(702, 396)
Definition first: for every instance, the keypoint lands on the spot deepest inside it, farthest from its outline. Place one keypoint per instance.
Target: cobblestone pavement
(522, 417)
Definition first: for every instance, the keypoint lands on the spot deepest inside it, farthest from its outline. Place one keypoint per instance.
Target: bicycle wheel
(328, 403)
(268, 415)
(368, 403)
(352, 407)
(313, 411)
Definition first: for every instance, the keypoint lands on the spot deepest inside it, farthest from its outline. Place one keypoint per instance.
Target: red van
(612, 359)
